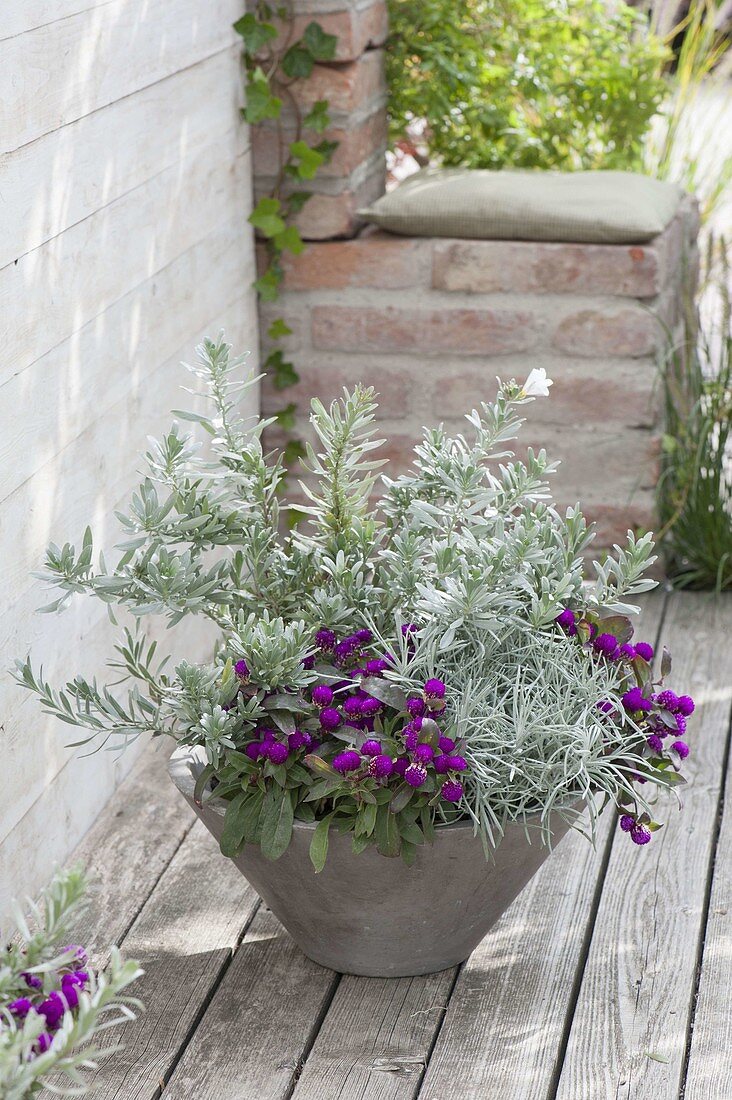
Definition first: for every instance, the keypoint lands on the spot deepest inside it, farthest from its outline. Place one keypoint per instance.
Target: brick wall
(431, 323)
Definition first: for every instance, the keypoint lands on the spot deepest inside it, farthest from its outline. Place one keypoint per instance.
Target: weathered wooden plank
(183, 937)
(153, 130)
(376, 1038)
(709, 1070)
(97, 262)
(259, 1026)
(55, 74)
(19, 16)
(106, 452)
(513, 1000)
(629, 1029)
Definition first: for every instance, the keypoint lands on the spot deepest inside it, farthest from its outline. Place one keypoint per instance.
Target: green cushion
(604, 207)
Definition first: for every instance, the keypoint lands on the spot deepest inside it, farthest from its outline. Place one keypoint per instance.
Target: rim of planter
(187, 760)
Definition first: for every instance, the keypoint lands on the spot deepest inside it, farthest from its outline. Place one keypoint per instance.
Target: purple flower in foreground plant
(330, 718)
(254, 750)
(409, 628)
(415, 775)
(347, 761)
(322, 695)
(669, 700)
(325, 639)
(457, 763)
(606, 644)
(371, 748)
(441, 764)
(636, 700)
(681, 748)
(567, 620)
(680, 723)
(434, 689)
(644, 650)
(639, 834)
(32, 980)
(415, 707)
(297, 740)
(627, 822)
(627, 652)
(43, 1042)
(309, 662)
(277, 752)
(685, 705)
(241, 668)
(364, 636)
(654, 742)
(380, 766)
(452, 790)
(411, 737)
(371, 706)
(400, 765)
(376, 666)
(80, 955)
(424, 753)
(20, 1007)
(605, 706)
(53, 1009)
(446, 744)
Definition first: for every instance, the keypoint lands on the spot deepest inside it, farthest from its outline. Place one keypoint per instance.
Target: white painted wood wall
(124, 192)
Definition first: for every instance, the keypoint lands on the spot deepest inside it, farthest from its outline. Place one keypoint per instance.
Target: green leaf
(387, 692)
(320, 44)
(277, 820)
(266, 217)
(297, 200)
(319, 844)
(260, 103)
(240, 822)
(411, 833)
(279, 329)
(386, 833)
(256, 35)
(282, 371)
(665, 663)
(317, 118)
(297, 62)
(400, 798)
(289, 240)
(322, 767)
(308, 160)
(326, 150)
(268, 285)
(294, 450)
(286, 416)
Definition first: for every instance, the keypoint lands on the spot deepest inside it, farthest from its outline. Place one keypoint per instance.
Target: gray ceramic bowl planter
(366, 914)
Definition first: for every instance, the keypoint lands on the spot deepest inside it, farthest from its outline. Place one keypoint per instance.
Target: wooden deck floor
(610, 976)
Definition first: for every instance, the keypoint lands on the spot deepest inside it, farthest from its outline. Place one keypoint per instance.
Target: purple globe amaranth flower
(681, 748)
(308, 662)
(43, 1042)
(80, 955)
(277, 752)
(53, 1008)
(400, 765)
(669, 700)
(627, 822)
(352, 706)
(32, 980)
(654, 742)
(605, 706)
(20, 1007)
(344, 651)
(567, 620)
(330, 718)
(254, 750)
(322, 695)
(241, 668)
(685, 705)
(380, 766)
(364, 636)
(627, 652)
(268, 735)
(347, 761)
(371, 706)
(606, 644)
(639, 834)
(452, 790)
(441, 764)
(423, 753)
(376, 666)
(434, 689)
(409, 628)
(645, 651)
(415, 775)
(411, 738)
(446, 744)
(371, 748)
(298, 739)
(416, 706)
(636, 700)
(680, 723)
(457, 763)
(325, 639)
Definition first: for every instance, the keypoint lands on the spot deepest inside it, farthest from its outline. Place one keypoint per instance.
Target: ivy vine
(274, 62)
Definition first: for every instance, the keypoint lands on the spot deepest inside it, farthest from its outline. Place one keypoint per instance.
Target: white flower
(537, 384)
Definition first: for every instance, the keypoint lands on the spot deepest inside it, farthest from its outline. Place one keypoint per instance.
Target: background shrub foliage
(527, 83)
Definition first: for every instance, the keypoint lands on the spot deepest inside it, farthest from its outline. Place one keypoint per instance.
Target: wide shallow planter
(367, 914)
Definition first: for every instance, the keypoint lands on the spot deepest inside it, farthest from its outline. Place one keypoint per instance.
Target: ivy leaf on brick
(278, 329)
(326, 149)
(266, 217)
(306, 160)
(318, 118)
(298, 62)
(286, 416)
(261, 104)
(294, 449)
(268, 285)
(321, 45)
(289, 240)
(297, 200)
(256, 35)
(283, 373)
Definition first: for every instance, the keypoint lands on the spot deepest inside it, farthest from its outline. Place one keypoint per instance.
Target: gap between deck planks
(272, 1025)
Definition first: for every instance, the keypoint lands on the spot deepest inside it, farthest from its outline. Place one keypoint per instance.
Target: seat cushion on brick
(593, 207)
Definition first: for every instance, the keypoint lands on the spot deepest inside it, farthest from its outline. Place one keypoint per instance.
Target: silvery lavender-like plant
(385, 667)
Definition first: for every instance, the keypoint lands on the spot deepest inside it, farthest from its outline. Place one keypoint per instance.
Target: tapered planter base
(366, 914)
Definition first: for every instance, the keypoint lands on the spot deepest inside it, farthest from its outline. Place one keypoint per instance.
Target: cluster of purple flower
(72, 979)
(663, 714)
